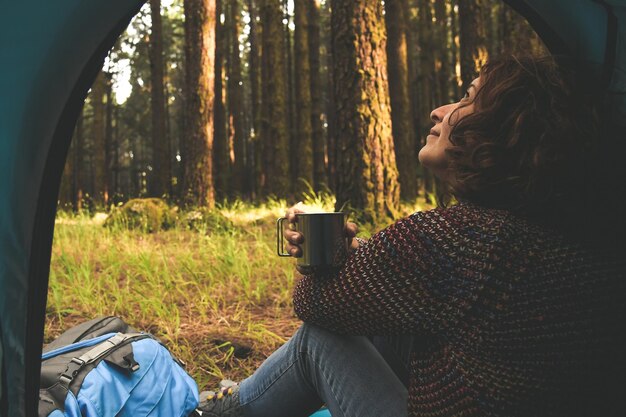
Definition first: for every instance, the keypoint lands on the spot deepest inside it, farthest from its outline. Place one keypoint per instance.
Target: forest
(212, 100)
(219, 115)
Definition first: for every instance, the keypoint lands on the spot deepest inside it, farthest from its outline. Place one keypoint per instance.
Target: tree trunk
(255, 93)
(199, 77)
(304, 131)
(66, 191)
(442, 64)
(108, 138)
(472, 38)
(98, 93)
(77, 157)
(221, 151)
(291, 97)
(274, 126)
(331, 116)
(161, 170)
(235, 100)
(398, 73)
(454, 50)
(319, 144)
(367, 173)
(115, 168)
(426, 82)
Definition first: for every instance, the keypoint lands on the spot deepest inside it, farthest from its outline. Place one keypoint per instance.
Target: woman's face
(433, 155)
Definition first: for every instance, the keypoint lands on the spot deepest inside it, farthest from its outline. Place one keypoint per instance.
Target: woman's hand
(294, 239)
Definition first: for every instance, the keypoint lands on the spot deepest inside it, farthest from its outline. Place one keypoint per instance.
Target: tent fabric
(50, 53)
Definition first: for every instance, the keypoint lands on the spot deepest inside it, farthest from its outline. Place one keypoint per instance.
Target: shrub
(146, 214)
(205, 220)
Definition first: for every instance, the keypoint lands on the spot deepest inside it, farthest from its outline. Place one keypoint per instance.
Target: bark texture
(221, 151)
(319, 142)
(255, 96)
(236, 99)
(100, 183)
(366, 165)
(304, 130)
(161, 173)
(274, 125)
(199, 77)
(474, 49)
(398, 72)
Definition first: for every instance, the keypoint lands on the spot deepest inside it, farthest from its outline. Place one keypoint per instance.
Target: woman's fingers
(351, 229)
(292, 211)
(293, 239)
(293, 250)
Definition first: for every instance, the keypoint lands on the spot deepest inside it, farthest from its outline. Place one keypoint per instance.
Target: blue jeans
(353, 375)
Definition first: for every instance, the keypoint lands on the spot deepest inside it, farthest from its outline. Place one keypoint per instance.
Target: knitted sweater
(511, 318)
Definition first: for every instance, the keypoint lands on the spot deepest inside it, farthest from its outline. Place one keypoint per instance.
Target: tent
(50, 54)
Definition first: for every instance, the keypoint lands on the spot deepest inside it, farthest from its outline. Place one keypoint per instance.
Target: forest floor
(218, 296)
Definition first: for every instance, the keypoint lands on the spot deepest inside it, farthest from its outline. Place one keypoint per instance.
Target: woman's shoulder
(471, 222)
(465, 215)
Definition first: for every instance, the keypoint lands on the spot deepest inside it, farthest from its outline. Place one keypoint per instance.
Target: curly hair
(528, 146)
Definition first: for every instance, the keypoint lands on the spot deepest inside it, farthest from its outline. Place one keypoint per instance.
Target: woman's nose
(435, 117)
(439, 113)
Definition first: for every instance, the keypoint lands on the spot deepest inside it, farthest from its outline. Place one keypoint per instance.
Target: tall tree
(291, 94)
(236, 99)
(329, 105)
(304, 131)
(255, 96)
(442, 59)
(100, 183)
(474, 50)
(425, 81)
(161, 173)
(274, 125)
(199, 76)
(398, 74)
(367, 173)
(319, 143)
(221, 149)
(108, 136)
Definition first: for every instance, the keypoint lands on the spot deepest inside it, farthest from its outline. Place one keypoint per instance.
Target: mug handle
(280, 246)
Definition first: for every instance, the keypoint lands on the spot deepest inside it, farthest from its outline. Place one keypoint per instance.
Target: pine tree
(398, 70)
(319, 142)
(235, 99)
(221, 151)
(303, 131)
(366, 166)
(199, 76)
(161, 174)
(274, 124)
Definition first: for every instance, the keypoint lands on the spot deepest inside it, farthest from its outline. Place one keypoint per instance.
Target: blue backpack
(106, 368)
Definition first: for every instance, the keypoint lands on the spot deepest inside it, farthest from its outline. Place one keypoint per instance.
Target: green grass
(217, 295)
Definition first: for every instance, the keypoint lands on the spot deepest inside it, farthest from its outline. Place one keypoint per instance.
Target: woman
(495, 306)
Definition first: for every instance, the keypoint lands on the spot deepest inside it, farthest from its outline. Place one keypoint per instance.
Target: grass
(219, 297)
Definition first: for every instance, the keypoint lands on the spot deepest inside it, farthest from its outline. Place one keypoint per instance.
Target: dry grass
(220, 299)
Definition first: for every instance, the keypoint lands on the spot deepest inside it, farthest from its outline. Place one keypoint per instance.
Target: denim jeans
(353, 375)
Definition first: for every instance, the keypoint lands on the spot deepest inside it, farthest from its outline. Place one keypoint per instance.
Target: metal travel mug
(324, 245)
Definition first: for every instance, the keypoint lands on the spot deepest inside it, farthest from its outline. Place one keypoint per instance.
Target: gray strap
(104, 347)
(76, 364)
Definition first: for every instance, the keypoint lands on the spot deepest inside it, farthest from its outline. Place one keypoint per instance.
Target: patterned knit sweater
(511, 318)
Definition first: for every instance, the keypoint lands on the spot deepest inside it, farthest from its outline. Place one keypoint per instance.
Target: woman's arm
(413, 276)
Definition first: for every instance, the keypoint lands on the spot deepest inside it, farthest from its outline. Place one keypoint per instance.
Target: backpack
(106, 368)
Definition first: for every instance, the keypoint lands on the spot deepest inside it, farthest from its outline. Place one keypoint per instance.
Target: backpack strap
(92, 355)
